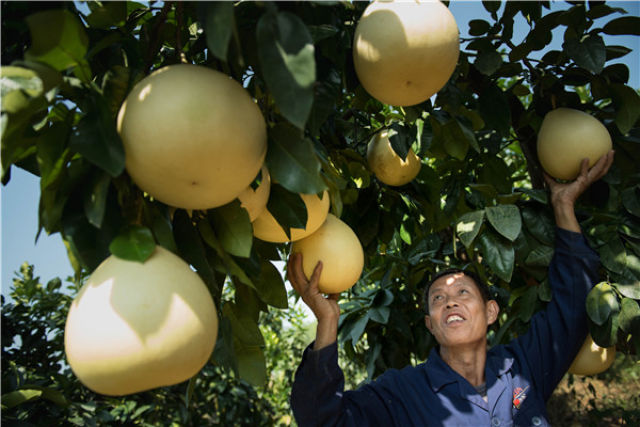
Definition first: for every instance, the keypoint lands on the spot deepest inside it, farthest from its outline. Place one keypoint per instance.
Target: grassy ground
(608, 399)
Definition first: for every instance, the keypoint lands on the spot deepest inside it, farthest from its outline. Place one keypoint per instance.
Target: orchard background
(479, 199)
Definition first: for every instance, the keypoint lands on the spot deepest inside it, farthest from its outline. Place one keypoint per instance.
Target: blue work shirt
(520, 376)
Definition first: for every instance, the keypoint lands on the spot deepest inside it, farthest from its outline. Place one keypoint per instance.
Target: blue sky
(19, 199)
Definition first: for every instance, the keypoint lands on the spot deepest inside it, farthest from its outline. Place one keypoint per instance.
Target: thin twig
(155, 41)
(179, 12)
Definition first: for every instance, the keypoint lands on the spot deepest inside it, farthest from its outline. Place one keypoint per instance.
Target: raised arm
(556, 334)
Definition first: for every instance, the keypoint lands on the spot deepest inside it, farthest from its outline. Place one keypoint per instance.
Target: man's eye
(462, 291)
(437, 297)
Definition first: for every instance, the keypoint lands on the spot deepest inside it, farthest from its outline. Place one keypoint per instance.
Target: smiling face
(458, 314)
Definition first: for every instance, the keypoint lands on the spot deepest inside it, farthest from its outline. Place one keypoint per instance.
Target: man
(462, 382)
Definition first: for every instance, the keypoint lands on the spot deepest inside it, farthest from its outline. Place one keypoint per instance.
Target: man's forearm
(326, 333)
(566, 217)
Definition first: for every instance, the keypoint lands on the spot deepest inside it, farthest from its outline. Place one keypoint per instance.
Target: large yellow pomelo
(255, 201)
(338, 247)
(387, 165)
(566, 137)
(193, 137)
(266, 228)
(135, 326)
(592, 359)
(405, 51)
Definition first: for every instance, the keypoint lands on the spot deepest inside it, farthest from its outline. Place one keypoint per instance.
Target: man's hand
(564, 195)
(325, 309)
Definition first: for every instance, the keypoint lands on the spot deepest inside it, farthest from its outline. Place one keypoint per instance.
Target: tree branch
(155, 41)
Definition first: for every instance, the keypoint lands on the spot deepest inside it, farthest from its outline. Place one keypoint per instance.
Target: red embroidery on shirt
(518, 396)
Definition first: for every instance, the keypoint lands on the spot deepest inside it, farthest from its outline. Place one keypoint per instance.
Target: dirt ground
(596, 401)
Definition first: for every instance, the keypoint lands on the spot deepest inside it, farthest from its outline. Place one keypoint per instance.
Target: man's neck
(468, 361)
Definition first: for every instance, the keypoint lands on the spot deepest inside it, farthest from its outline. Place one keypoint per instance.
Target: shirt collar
(441, 374)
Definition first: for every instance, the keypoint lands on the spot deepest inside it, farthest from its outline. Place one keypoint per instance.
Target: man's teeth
(454, 318)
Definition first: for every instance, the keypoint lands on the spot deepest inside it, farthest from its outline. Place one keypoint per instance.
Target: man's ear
(492, 311)
(427, 322)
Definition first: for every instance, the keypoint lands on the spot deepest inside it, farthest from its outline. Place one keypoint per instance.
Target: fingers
(297, 277)
(551, 182)
(600, 168)
(315, 276)
(294, 272)
(606, 162)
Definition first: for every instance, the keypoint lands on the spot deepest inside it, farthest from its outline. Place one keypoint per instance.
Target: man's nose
(451, 302)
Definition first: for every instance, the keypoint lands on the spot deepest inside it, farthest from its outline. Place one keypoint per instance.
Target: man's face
(458, 314)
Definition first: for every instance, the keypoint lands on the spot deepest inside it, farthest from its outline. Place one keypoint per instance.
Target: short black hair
(482, 286)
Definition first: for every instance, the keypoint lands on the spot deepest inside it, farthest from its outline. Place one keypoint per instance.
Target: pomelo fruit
(137, 326)
(193, 137)
(405, 51)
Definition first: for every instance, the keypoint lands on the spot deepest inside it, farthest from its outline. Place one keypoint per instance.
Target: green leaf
(358, 328)
(115, 87)
(539, 224)
(494, 109)
(468, 226)
(244, 328)
(614, 52)
(15, 398)
(613, 255)
(400, 140)
(224, 353)
(624, 25)
(629, 319)
(478, 27)
(631, 200)
(498, 253)
(544, 291)
(133, 243)
(247, 343)
(57, 39)
(540, 256)
(218, 22)
(233, 228)
(629, 290)
(605, 335)
(105, 15)
(247, 298)
(252, 365)
(601, 303)
(627, 105)
(286, 53)
(88, 244)
(455, 142)
(526, 304)
(287, 208)
(95, 198)
(505, 219)
(293, 162)
(380, 314)
(488, 62)
(192, 249)
(96, 138)
(17, 86)
(588, 53)
(161, 227)
(225, 264)
(270, 286)
(491, 6)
